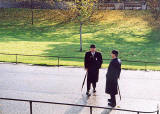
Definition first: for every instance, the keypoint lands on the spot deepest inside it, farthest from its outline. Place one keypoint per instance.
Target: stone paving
(140, 90)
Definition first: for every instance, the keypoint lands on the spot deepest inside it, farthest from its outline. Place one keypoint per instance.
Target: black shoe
(109, 100)
(112, 104)
(88, 94)
(94, 91)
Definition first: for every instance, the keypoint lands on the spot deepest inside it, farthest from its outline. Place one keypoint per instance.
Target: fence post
(32, 10)
(16, 58)
(58, 61)
(157, 109)
(145, 66)
(137, 112)
(90, 109)
(30, 102)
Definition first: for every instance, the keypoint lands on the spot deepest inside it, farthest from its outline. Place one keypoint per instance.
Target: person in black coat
(92, 62)
(112, 77)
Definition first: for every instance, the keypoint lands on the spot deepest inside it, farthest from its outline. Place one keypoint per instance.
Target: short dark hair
(115, 52)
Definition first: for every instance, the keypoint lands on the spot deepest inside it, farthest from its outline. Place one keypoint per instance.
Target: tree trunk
(32, 11)
(80, 37)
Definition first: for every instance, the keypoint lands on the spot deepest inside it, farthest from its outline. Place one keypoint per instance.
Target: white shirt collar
(93, 53)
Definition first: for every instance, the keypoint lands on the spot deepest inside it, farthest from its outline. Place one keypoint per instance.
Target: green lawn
(133, 33)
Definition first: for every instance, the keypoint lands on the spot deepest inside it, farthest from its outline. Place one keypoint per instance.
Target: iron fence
(78, 105)
(16, 60)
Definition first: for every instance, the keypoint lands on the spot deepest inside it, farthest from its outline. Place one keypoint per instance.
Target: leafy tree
(155, 8)
(83, 11)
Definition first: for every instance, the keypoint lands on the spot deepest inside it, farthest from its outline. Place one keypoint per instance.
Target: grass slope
(133, 33)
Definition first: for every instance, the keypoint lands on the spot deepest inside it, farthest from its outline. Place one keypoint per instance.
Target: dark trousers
(113, 99)
(89, 85)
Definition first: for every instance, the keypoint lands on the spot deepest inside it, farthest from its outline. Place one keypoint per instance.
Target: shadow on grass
(72, 50)
(133, 44)
(68, 46)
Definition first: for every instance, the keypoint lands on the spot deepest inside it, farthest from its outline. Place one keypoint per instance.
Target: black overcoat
(112, 76)
(93, 64)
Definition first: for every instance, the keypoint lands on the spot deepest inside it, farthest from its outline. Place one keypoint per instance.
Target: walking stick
(84, 81)
(119, 92)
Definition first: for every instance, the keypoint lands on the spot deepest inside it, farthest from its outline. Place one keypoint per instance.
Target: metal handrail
(88, 106)
(59, 57)
(77, 58)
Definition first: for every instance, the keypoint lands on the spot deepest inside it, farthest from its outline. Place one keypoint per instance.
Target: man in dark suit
(112, 77)
(93, 61)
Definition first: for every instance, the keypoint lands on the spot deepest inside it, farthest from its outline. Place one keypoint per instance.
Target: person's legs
(94, 86)
(112, 101)
(88, 86)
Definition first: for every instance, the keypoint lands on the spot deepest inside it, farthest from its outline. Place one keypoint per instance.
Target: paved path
(140, 90)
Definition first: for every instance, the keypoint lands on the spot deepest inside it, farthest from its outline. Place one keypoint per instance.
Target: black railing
(87, 106)
(62, 57)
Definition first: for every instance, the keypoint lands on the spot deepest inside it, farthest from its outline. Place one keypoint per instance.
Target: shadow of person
(77, 109)
(107, 111)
